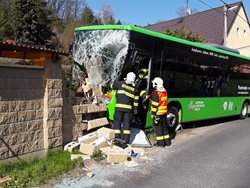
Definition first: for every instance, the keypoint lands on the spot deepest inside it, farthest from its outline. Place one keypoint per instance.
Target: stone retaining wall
(37, 114)
(30, 109)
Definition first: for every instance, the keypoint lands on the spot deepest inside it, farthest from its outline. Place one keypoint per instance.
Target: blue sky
(144, 12)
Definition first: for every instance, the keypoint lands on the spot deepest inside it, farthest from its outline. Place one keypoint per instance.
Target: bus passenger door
(142, 70)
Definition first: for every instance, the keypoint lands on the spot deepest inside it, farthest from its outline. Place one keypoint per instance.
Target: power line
(234, 11)
(223, 2)
(209, 6)
(222, 12)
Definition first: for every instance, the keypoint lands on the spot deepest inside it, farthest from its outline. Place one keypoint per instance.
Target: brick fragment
(70, 146)
(107, 133)
(116, 156)
(97, 123)
(87, 138)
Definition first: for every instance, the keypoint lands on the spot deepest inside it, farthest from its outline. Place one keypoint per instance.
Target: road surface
(214, 155)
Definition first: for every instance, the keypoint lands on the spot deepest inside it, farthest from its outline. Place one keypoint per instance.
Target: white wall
(239, 35)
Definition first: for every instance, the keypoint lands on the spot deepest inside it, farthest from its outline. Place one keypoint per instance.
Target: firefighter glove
(156, 119)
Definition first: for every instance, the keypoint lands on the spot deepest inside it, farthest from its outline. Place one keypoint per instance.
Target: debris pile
(110, 150)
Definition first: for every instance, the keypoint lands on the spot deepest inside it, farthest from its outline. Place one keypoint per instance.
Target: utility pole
(188, 11)
(226, 9)
(225, 25)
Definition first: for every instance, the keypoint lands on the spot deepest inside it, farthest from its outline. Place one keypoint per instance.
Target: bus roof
(159, 35)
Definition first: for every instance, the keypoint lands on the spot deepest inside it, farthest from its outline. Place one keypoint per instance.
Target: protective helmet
(143, 72)
(157, 83)
(130, 78)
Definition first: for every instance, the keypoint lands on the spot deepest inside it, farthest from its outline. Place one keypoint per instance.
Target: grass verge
(36, 171)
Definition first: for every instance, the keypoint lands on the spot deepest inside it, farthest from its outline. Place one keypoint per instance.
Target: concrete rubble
(102, 142)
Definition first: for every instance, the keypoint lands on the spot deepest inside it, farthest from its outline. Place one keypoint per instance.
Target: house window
(238, 31)
(245, 33)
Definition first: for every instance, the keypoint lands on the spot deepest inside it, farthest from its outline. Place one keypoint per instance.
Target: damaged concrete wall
(30, 109)
(79, 118)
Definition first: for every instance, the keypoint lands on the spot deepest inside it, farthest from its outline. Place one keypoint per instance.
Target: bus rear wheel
(244, 111)
(173, 117)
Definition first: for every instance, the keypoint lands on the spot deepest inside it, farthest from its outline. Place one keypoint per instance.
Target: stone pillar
(53, 103)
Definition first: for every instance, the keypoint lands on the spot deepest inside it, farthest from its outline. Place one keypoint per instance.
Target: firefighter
(159, 101)
(141, 85)
(126, 105)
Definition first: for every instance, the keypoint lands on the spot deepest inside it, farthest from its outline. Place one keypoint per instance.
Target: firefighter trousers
(122, 125)
(162, 132)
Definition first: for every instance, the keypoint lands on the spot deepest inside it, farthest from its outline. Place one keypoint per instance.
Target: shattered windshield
(102, 53)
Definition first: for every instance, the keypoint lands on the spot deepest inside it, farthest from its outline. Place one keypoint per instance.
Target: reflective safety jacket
(159, 102)
(126, 97)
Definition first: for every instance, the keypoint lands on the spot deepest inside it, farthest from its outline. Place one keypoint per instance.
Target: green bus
(203, 81)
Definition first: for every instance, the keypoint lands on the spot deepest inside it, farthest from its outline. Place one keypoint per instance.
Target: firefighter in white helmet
(159, 102)
(126, 105)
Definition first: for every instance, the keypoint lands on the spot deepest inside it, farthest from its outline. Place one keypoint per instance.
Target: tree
(119, 22)
(6, 31)
(30, 22)
(107, 14)
(55, 7)
(185, 33)
(88, 17)
(70, 10)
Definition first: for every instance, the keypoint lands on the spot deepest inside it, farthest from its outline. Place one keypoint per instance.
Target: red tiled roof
(209, 24)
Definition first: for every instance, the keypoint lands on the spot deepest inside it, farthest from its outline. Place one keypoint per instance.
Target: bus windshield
(101, 52)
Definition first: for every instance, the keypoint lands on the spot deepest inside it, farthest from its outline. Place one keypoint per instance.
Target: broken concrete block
(107, 133)
(87, 138)
(92, 108)
(116, 156)
(97, 91)
(97, 123)
(100, 142)
(91, 164)
(70, 146)
(88, 149)
(85, 86)
(90, 174)
(81, 109)
(76, 156)
(106, 149)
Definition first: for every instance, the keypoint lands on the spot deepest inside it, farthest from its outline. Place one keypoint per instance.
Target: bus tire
(173, 117)
(244, 111)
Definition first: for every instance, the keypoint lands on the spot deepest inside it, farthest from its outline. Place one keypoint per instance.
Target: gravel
(106, 174)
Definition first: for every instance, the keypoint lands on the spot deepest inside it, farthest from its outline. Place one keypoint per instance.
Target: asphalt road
(218, 156)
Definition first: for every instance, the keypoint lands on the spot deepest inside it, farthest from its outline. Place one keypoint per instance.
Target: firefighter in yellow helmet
(159, 102)
(141, 85)
(126, 105)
